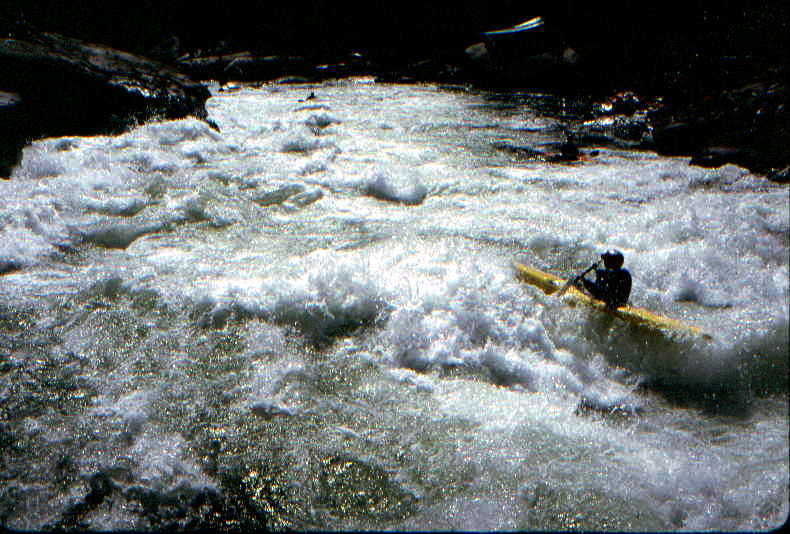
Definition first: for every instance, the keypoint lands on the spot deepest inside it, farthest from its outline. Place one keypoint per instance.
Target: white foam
(411, 378)
(23, 248)
(176, 132)
(447, 322)
(298, 251)
(37, 163)
(331, 293)
(301, 143)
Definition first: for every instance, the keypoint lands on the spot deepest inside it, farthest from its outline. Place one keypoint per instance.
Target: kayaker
(612, 283)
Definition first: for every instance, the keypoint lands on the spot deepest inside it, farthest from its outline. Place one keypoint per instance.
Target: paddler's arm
(592, 288)
(580, 281)
(575, 281)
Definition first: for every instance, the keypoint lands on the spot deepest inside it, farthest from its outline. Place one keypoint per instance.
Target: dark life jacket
(613, 286)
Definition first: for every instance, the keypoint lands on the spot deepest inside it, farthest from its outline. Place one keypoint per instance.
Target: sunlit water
(310, 319)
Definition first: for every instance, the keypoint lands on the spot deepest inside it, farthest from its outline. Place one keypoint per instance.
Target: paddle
(572, 281)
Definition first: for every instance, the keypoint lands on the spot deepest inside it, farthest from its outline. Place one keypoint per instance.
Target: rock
(782, 176)
(570, 56)
(716, 156)
(268, 409)
(620, 131)
(406, 190)
(678, 138)
(568, 151)
(619, 120)
(252, 67)
(477, 52)
(242, 66)
(556, 152)
(167, 51)
(11, 123)
(521, 152)
(65, 86)
(531, 54)
(748, 126)
(546, 70)
(247, 67)
(622, 103)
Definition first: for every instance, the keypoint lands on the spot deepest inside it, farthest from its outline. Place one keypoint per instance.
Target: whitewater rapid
(310, 319)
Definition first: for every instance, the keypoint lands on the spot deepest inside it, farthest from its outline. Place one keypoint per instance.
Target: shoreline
(713, 88)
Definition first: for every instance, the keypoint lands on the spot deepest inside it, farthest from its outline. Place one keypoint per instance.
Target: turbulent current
(310, 319)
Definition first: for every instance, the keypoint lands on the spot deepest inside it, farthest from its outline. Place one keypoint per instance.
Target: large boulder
(748, 126)
(61, 86)
(530, 54)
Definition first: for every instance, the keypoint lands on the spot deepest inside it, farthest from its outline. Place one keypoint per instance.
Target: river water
(310, 320)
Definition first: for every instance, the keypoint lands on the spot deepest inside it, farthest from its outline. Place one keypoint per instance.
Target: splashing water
(310, 320)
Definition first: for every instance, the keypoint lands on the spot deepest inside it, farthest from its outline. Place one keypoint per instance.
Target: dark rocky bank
(54, 86)
(700, 79)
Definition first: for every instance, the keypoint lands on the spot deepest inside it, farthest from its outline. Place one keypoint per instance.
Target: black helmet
(612, 259)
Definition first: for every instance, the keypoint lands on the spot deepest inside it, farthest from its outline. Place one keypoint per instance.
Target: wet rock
(716, 156)
(277, 196)
(305, 198)
(403, 190)
(568, 151)
(559, 152)
(352, 65)
(678, 138)
(167, 51)
(9, 266)
(607, 405)
(478, 52)
(519, 151)
(620, 120)
(552, 69)
(242, 66)
(11, 123)
(65, 86)
(748, 126)
(531, 54)
(623, 103)
(620, 132)
(269, 409)
(249, 66)
(120, 235)
(781, 175)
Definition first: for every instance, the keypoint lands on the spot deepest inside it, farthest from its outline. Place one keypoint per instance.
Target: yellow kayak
(550, 284)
